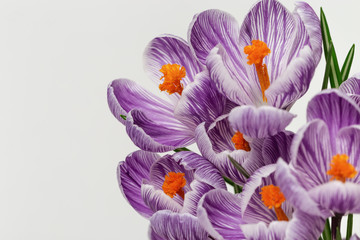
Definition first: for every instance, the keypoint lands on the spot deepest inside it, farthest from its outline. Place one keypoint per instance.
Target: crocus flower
(159, 125)
(267, 62)
(325, 157)
(352, 88)
(261, 211)
(219, 141)
(152, 183)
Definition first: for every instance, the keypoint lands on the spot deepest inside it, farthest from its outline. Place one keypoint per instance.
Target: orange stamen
(272, 197)
(340, 169)
(173, 74)
(256, 53)
(174, 184)
(240, 142)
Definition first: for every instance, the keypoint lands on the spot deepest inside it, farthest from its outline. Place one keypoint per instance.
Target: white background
(59, 143)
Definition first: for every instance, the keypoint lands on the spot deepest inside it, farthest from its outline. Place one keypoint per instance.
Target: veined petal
(200, 102)
(348, 142)
(304, 226)
(351, 86)
(337, 196)
(274, 231)
(124, 95)
(298, 196)
(311, 153)
(253, 209)
(130, 174)
(175, 226)
(157, 200)
(259, 122)
(211, 27)
(335, 109)
(169, 49)
(219, 213)
(354, 237)
(277, 146)
(156, 136)
(205, 171)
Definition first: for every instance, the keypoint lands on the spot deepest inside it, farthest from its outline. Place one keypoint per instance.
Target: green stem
(335, 225)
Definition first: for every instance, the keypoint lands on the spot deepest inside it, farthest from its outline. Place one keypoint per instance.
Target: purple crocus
(325, 157)
(267, 62)
(260, 212)
(152, 183)
(352, 88)
(159, 125)
(216, 143)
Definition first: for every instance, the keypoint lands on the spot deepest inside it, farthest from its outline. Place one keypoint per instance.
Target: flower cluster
(230, 89)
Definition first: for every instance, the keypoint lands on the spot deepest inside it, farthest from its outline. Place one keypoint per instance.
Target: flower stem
(335, 224)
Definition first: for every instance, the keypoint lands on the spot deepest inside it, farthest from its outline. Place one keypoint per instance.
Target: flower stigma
(240, 142)
(256, 53)
(174, 183)
(272, 197)
(340, 169)
(173, 74)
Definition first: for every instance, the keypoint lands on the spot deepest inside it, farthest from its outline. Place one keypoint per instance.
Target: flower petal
(211, 27)
(169, 49)
(156, 136)
(335, 109)
(277, 146)
(125, 95)
(274, 231)
(351, 85)
(287, 180)
(175, 226)
(157, 200)
(259, 122)
(131, 173)
(205, 171)
(219, 213)
(200, 102)
(337, 196)
(304, 226)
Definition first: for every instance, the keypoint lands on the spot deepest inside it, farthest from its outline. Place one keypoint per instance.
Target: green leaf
(239, 167)
(327, 70)
(338, 235)
(345, 70)
(229, 181)
(237, 189)
(181, 149)
(123, 117)
(335, 74)
(327, 232)
(349, 226)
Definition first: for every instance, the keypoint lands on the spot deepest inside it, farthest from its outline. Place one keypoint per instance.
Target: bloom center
(240, 142)
(272, 197)
(340, 169)
(256, 53)
(174, 183)
(173, 74)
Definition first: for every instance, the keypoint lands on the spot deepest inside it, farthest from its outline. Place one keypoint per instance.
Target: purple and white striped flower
(260, 212)
(325, 157)
(352, 87)
(285, 50)
(159, 125)
(152, 183)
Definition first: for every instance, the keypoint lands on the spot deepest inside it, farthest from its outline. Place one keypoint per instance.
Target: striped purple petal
(156, 136)
(200, 102)
(169, 49)
(219, 213)
(174, 226)
(130, 174)
(210, 28)
(259, 122)
(258, 231)
(351, 86)
(335, 109)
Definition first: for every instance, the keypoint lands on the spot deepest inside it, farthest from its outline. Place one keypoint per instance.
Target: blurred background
(59, 143)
